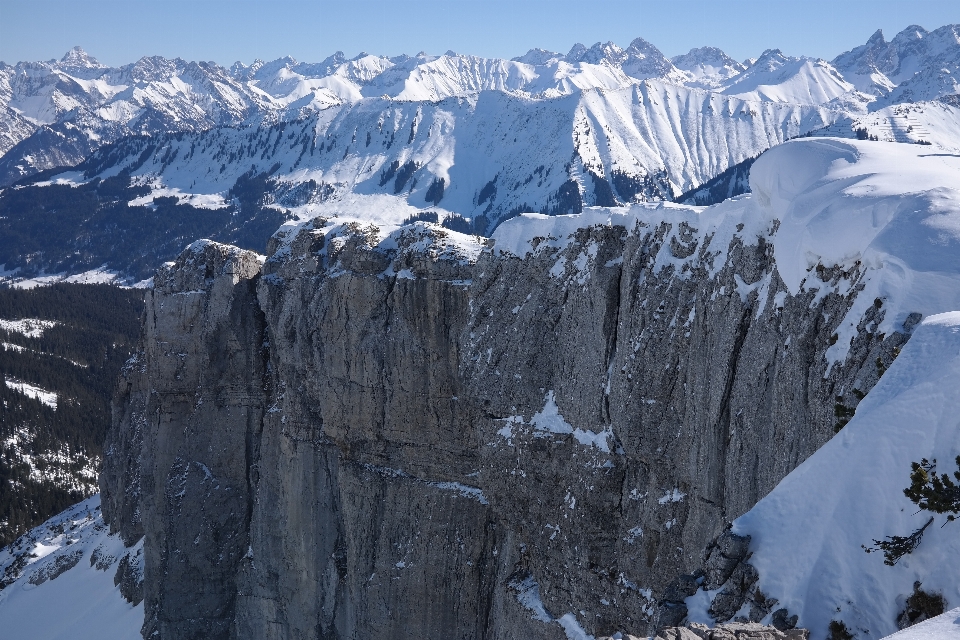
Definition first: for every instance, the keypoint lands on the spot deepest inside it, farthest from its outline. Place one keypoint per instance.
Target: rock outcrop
(410, 434)
(732, 631)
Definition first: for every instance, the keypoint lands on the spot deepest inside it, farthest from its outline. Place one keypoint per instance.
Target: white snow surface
(807, 533)
(893, 209)
(48, 398)
(29, 327)
(550, 420)
(946, 626)
(81, 603)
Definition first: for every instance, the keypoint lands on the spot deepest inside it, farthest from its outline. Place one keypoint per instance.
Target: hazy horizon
(226, 31)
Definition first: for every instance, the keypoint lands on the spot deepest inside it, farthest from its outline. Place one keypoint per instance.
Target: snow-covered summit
(539, 57)
(77, 59)
(709, 67)
(776, 77)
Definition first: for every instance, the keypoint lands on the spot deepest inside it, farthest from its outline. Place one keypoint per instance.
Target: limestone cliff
(411, 433)
(399, 435)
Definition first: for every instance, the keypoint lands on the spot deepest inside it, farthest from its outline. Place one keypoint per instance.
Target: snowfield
(944, 627)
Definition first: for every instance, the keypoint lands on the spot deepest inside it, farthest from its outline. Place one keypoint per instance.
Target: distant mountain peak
(538, 57)
(708, 66)
(877, 38)
(771, 60)
(576, 52)
(713, 56)
(913, 32)
(77, 57)
(639, 45)
(602, 52)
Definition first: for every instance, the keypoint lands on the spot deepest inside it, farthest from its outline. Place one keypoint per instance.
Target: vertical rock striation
(409, 434)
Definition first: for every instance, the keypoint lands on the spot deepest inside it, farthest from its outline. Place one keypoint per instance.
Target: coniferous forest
(50, 457)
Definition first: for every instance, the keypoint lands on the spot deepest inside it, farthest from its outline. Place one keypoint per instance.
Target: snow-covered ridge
(890, 211)
(479, 157)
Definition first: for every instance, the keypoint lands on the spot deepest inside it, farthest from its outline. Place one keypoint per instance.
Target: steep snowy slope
(946, 626)
(779, 78)
(891, 213)
(649, 141)
(807, 534)
(69, 579)
(936, 123)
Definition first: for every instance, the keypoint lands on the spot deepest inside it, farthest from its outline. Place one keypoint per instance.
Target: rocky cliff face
(410, 434)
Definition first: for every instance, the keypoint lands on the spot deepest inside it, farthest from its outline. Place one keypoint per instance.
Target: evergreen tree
(930, 491)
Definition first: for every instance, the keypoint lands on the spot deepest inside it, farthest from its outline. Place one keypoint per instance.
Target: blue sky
(224, 31)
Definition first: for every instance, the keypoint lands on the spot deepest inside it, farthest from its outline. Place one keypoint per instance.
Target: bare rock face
(410, 435)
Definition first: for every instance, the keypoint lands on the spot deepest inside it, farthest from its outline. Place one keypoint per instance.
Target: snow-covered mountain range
(55, 113)
(446, 137)
(865, 229)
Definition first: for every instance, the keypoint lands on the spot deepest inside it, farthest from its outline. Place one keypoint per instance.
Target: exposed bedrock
(410, 435)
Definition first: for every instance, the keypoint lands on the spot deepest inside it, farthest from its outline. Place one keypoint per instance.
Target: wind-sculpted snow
(889, 210)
